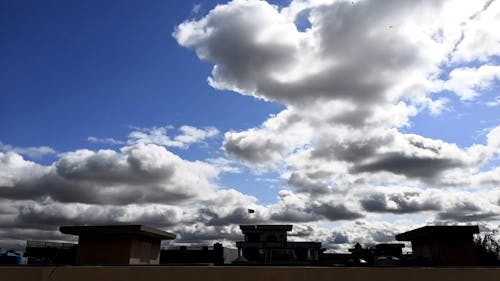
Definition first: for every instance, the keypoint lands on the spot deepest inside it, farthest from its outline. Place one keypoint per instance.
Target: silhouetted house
(384, 254)
(388, 254)
(42, 252)
(389, 249)
(216, 255)
(117, 244)
(443, 245)
(360, 256)
(268, 244)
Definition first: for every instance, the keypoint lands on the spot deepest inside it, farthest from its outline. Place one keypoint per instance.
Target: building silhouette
(117, 244)
(216, 255)
(42, 252)
(268, 244)
(442, 245)
(262, 245)
(384, 254)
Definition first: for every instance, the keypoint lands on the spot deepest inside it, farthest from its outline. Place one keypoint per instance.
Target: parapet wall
(231, 273)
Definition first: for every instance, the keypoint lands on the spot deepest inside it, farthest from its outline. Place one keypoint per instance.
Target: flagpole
(250, 211)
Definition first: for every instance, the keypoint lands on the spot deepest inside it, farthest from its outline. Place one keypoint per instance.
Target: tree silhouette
(488, 248)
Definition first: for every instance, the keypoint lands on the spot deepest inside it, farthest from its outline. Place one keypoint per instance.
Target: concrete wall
(446, 252)
(456, 253)
(102, 250)
(116, 249)
(145, 251)
(229, 273)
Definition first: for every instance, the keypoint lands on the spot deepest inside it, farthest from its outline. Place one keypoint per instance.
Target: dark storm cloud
(316, 211)
(292, 215)
(376, 202)
(339, 238)
(335, 212)
(468, 210)
(304, 183)
(467, 217)
(238, 215)
(352, 151)
(409, 166)
(399, 203)
(52, 216)
(138, 174)
(252, 151)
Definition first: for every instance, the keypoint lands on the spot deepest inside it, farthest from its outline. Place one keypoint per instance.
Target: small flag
(251, 211)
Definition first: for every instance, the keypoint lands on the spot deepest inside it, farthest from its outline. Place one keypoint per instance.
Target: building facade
(117, 244)
(216, 255)
(268, 244)
(44, 252)
(443, 245)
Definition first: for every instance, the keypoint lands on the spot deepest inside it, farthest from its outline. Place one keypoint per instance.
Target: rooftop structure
(216, 255)
(443, 245)
(44, 252)
(117, 230)
(389, 249)
(117, 244)
(268, 244)
(438, 231)
(265, 233)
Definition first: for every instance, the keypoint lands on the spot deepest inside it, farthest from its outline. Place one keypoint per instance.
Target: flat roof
(117, 230)
(285, 227)
(390, 245)
(437, 231)
(297, 244)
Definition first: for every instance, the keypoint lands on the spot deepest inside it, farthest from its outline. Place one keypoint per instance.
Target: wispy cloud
(196, 8)
(187, 135)
(32, 151)
(493, 103)
(105, 141)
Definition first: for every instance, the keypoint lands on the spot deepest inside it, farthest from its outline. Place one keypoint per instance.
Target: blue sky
(85, 68)
(340, 117)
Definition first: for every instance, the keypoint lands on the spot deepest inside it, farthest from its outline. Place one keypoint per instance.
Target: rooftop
(390, 245)
(117, 230)
(438, 231)
(47, 244)
(282, 227)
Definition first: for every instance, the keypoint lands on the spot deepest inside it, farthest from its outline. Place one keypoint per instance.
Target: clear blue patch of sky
(73, 69)
(463, 124)
(302, 21)
(264, 187)
(280, 3)
(447, 67)
(494, 163)
(466, 121)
